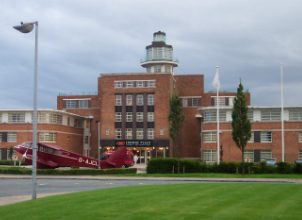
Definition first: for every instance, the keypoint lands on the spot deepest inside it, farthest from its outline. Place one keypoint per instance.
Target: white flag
(216, 81)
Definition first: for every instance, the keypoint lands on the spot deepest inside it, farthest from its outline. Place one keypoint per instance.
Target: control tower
(159, 55)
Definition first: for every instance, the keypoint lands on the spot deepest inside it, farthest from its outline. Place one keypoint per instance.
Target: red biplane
(51, 157)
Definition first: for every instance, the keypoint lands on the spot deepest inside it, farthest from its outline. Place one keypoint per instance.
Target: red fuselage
(50, 157)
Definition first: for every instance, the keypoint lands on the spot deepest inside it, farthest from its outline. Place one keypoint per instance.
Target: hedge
(10, 162)
(174, 165)
(27, 171)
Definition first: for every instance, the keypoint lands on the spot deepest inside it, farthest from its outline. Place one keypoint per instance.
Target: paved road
(19, 188)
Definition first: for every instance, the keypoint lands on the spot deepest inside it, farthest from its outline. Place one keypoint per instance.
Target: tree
(241, 126)
(176, 118)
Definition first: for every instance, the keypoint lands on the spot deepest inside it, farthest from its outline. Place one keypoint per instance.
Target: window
(139, 116)
(300, 137)
(78, 123)
(70, 103)
(265, 155)
(151, 83)
(118, 117)
(118, 84)
(252, 138)
(139, 133)
(210, 116)
(300, 155)
(42, 117)
(107, 131)
(209, 156)
(295, 115)
(84, 103)
(139, 99)
(118, 100)
(209, 137)
(129, 116)
(150, 116)
(11, 137)
(47, 137)
(140, 84)
(190, 101)
(266, 137)
(118, 133)
(150, 99)
(161, 131)
(129, 100)
(222, 100)
(250, 115)
(129, 84)
(150, 133)
(273, 115)
(157, 69)
(16, 117)
(86, 140)
(249, 156)
(55, 119)
(129, 133)
(0, 118)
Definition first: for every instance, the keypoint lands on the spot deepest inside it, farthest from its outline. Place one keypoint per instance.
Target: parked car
(270, 162)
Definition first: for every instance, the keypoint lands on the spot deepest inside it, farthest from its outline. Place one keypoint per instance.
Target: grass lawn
(179, 201)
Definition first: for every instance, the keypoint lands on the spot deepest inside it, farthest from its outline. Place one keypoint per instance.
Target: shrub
(283, 167)
(173, 165)
(297, 168)
(10, 162)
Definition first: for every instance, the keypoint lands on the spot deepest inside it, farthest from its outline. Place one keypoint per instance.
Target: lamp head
(24, 27)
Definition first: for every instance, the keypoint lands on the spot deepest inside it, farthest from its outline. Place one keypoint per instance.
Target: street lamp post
(26, 28)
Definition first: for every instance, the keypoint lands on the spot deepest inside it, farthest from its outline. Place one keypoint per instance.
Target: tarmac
(15, 199)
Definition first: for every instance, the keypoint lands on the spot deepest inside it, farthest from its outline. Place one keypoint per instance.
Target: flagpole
(282, 114)
(217, 118)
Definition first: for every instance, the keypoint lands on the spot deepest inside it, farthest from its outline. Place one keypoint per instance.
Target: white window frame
(129, 99)
(300, 137)
(71, 104)
(129, 84)
(129, 134)
(139, 116)
(266, 137)
(11, 137)
(140, 84)
(150, 99)
(118, 116)
(209, 137)
(118, 133)
(84, 103)
(129, 116)
(16, 117)
(209, 156)
(139, 99)
(118, 100)
(249, 156)
(265, 155)
(49, 137)
(139, 133)
(150, 133)
(118, 84)
(272, 115)
(150, 116)
(151, 84)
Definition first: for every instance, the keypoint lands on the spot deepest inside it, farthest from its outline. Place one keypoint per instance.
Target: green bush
(27, 171)
(9, 162)
(173, 165)
(297, 168)
(283, 167)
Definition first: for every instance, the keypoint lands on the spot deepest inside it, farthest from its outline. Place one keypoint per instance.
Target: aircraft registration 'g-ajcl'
(51, 157)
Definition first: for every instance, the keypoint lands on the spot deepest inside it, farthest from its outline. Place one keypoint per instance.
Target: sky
(79, 40)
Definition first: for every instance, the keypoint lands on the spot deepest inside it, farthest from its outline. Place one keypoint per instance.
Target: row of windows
(8, 137)
(256, 137)
(210, 156)
(76, 103)
(43, 137)
(139, 116)
(134, 84)
(190, 101)
(139, 134)
(139, 99)
(272, 115)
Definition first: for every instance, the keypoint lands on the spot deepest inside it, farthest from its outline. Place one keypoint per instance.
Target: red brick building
(132, 109)
(65, 129)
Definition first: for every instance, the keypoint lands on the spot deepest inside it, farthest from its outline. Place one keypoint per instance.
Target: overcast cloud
(78, 40)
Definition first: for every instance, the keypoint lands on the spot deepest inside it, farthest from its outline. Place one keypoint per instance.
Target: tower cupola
(159, 55)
